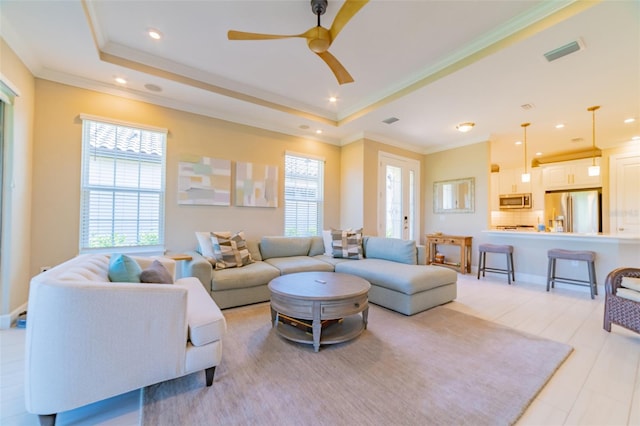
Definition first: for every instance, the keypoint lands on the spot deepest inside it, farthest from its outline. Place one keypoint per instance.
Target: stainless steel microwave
(515, 201)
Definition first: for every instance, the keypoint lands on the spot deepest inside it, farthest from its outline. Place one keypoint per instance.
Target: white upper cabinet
(510, 181)
(624, 179)
(570, 175)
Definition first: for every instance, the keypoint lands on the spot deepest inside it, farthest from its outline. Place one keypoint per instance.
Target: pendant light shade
(593, 170)
(526, 177)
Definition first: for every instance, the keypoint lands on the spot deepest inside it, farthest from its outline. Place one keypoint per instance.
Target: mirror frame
(438, 202)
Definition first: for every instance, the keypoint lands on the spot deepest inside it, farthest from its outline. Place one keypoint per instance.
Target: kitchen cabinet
(624, 181)
(570, 175)
(510, 182)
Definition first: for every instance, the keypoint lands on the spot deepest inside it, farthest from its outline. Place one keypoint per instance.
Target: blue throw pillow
(124, 269)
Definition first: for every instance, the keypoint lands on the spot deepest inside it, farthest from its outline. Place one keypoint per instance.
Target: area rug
(439, 367)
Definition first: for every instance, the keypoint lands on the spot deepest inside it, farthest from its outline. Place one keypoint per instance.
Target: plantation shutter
(123, 187)
(303, 195)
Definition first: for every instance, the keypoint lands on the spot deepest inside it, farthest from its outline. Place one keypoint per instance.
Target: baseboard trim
(7, 320)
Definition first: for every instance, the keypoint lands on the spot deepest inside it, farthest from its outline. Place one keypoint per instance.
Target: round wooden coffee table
(320, 297)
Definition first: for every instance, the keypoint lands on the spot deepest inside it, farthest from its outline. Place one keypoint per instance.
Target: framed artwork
(204, 181)
(256, 185)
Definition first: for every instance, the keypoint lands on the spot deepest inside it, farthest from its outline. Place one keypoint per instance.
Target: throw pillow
(204, 242)
(124, 269)
(347, 243)
(156, 273)
(230, 250)
(328, 245)
(631, 283)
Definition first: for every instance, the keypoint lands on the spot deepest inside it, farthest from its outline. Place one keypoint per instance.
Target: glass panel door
(398, 208)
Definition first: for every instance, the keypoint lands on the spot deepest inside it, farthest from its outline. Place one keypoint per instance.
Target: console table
(464, 242)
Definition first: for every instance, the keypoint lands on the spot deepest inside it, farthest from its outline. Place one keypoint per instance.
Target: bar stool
(584, 256)
(496, 248)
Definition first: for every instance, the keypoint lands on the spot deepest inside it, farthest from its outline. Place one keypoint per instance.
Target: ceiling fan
(319, 39)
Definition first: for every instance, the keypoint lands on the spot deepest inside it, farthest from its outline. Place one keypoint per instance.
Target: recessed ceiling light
(538, 153)
(154, 34)
(318, 131)
(629, 120)
(559, 126)
(635, 138)
(465, 127)
(333, 99)
(518, 142)
(120, 80)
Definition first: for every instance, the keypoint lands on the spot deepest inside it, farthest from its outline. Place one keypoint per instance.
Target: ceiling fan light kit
(318, 38)
(526, 177)
(593, 170)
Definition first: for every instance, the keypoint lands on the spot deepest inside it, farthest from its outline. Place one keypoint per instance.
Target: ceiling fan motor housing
(319, 7)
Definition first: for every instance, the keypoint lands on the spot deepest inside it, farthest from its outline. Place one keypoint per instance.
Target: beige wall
(468, 161)
(352, 177)
(16, 191)
(57, 158)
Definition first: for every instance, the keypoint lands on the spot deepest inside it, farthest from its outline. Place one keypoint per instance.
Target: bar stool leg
(591, 278)
(513, 269)
(508, 270)
(479, 263)
(549, 272)
(595, 279)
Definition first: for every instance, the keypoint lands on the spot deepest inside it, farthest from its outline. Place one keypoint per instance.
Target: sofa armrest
(205, 321)
(92, 340)
(198, 267)
(614, 278)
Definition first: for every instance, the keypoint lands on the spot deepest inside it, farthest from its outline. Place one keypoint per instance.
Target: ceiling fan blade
(338, 70)
(241, 35)
(346, 12)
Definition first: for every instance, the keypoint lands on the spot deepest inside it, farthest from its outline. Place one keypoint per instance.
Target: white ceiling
(432, 64)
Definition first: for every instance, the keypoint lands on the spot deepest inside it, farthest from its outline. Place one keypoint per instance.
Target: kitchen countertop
(564, 235)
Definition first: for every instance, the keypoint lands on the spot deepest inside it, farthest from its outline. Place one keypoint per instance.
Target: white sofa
(89, 339)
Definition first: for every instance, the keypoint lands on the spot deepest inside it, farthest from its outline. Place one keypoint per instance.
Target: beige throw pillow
(230, 250)
(347, 244)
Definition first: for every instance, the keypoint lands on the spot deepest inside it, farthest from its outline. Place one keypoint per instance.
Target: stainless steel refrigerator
(573, 211)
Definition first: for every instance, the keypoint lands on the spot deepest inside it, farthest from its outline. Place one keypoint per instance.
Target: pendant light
(526, 177)
(593, 170)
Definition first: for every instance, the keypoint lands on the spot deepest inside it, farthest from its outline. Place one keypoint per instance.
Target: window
(303, 195)
(123, 169)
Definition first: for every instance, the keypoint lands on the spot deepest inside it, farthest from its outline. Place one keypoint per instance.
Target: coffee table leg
(274, 316)
(317, 328)
(365, 316)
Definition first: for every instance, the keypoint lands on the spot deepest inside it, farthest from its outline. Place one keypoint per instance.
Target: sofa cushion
(124, 269)
(317, 246)
(292, 264)
(284, 246)
(253, 275)
(347, 243)
(332, 260)
(156, 273)
(394, 249)
(407, 279)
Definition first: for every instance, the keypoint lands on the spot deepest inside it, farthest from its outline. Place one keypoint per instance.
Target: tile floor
(599, 384)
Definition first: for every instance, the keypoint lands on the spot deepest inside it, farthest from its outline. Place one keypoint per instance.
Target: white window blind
(303, 195)
(123, 187)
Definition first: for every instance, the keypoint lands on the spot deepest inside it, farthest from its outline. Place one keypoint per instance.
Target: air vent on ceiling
(390, 120)
(527, 106)
(565, 50)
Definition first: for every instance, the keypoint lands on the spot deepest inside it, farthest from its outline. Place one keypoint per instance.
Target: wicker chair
(618, 310)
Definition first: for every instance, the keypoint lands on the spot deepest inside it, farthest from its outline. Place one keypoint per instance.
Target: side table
(463, 241)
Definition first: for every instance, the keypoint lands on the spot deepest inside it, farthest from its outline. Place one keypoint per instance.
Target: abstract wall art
(256, 185)
(204, 181)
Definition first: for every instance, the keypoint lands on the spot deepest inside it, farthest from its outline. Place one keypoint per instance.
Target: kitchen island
(530, 253)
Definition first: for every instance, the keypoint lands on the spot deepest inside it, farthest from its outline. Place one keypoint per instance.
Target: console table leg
(365, 316)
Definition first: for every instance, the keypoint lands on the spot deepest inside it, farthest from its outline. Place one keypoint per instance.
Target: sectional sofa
(396, 269)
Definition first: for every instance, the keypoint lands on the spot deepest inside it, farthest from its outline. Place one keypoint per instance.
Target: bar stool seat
(496, 248)
(579, 255)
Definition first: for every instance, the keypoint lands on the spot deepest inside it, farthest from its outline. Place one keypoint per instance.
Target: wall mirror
(454, 196)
